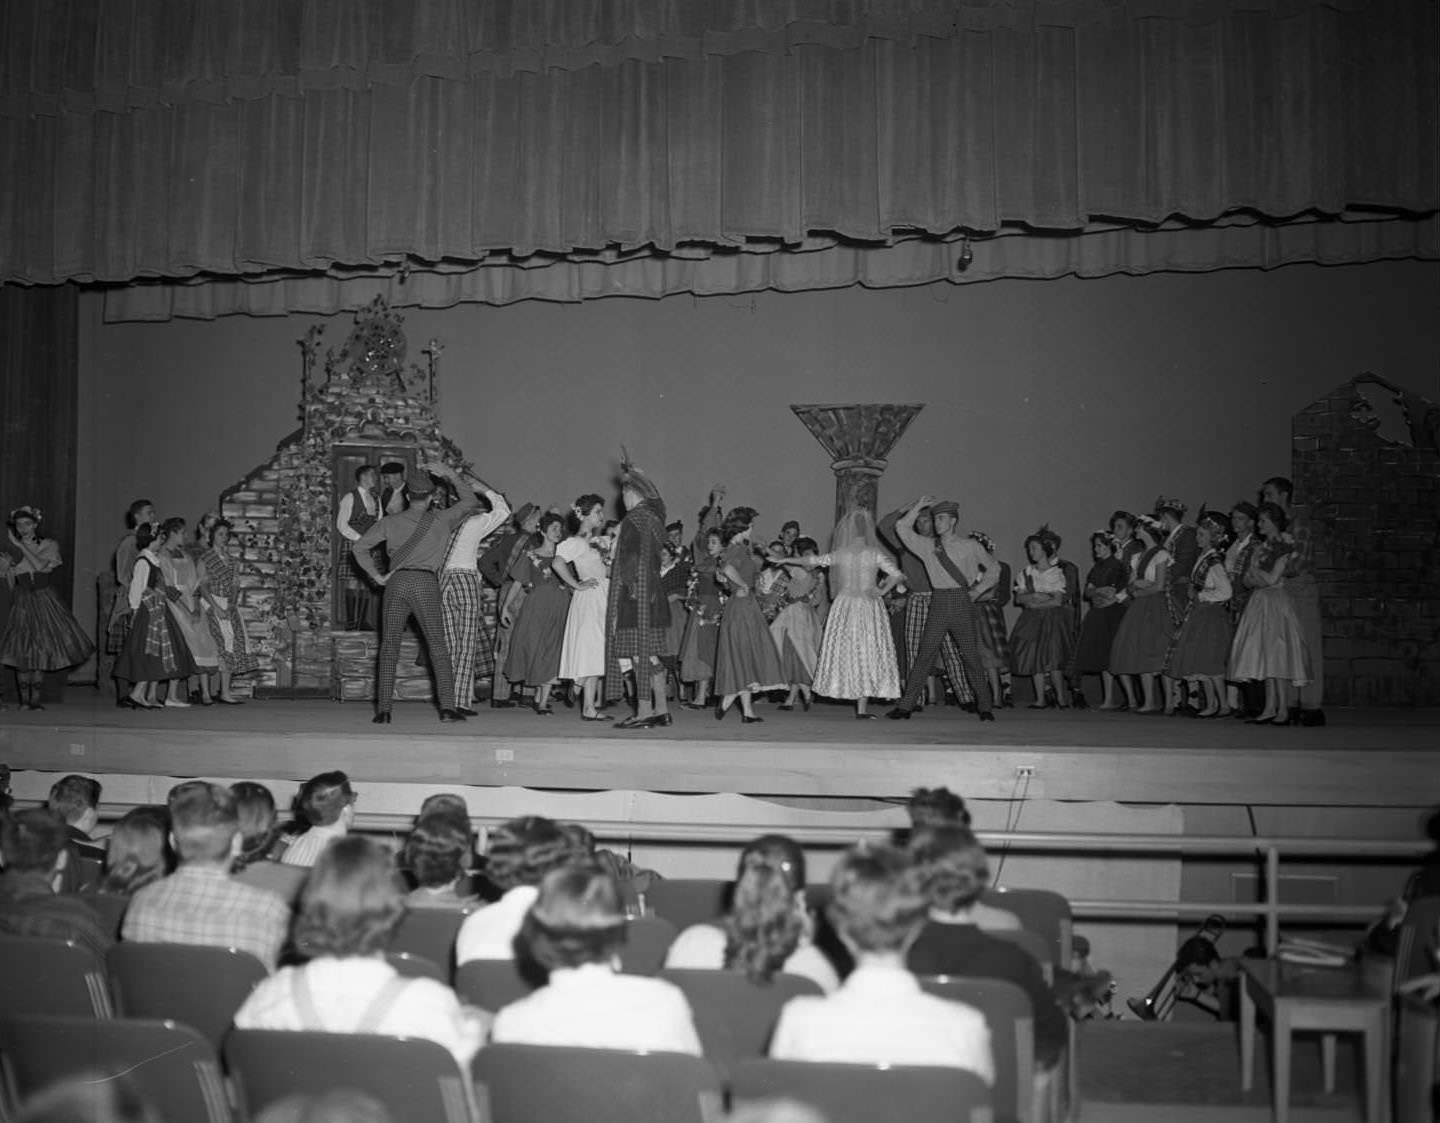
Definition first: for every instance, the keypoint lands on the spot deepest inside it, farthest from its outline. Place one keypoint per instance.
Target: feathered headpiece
(632, 477)
(26, 513)
(1165, 503)
(1217, 521)
(984, 540)
(1048, 539)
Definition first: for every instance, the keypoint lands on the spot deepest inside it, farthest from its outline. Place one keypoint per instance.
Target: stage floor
(1361, 758)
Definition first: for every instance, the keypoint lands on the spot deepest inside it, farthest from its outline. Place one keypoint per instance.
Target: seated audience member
(437, 854)
(520, 854)
(75, 800)
(327, 804)
(33, 843)
(575, 930)
(634, 882)
(262, 843)
(769, 928)
(138, 853)
(348, 910)
(880, 1015)
(200, 903)
(956, 873)
(940, 807)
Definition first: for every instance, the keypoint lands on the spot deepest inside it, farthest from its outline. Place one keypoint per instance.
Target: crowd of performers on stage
(1210, 618)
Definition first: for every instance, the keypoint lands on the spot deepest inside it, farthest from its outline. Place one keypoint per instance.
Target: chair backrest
(846, 1093)
(431, 933)
(110, 908)
(1012, 1038)
(1416, 941)
(56, 977)
(1042, 911)
(528, 1083)
(417, 1080)
(200, 987)
(647, 939)
(684, 901)
(493, 983)
(1041, 949)
(1417, 1061)
(171, 1065)
(734, 1016)
(417, 966)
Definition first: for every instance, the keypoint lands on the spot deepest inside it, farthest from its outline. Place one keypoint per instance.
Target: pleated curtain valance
(227, 154)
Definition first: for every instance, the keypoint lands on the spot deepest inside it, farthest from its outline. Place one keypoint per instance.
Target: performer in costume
(1180, 545)
(857, 660)
(959, 569)
(183, 578)
(461, 609)
(8, 557)
(416, 540)
(117, 626)
(745, 655)
(637, 614)
(1300, 583)
(704, 601)
(40, 634)
(990, 628)
(394, 496)
(799, 626)
(1044, 635)
(538, 625)
(1202, 645)
(1106, 580)
(497, 564)
(1143, 637)
(1269, 644)
(359, 511)
(582, 568)
(227, 628)
(1246, 698)
(155, 650)
(675, 571)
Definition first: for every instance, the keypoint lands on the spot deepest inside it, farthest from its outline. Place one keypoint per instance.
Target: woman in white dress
(582, 567)
(857, 654)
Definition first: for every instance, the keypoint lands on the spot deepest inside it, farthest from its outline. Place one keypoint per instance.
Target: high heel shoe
(128, 703)
(785, 707)
(747, 719)
(382, 718)
(720, 711)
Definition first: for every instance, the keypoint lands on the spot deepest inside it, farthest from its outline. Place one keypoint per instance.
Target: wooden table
(1329, 1000)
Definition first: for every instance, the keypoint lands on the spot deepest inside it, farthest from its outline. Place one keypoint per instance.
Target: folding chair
(417, 966)
(417, 1080)
(493, 983)
(846, 1093)
(734, 1016)
(684, 901)
(1012, 1038)
(56, 977)
(431, 933)
(200, 987)
(1043, 912)
(171, 1065)
(647, 939)
(557, 1084)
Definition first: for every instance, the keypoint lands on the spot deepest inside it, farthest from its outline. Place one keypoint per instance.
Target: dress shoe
(747, 719)
(466, 711)
(634, 721)
(987, 715)
(865, 717)
(501, 704)
(382, 718)
(128, 703)
(785, 706)
(899, 713)
(693, 706)
(451, 715)
(596, 717)
(660, 721)
(720, 711)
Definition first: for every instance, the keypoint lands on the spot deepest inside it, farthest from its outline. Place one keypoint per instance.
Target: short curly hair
(878, 899)
(578, 918)
(437, 851)
(351, 902)
(936, 805)
(522, 851)
(737, 521)
(952, 864)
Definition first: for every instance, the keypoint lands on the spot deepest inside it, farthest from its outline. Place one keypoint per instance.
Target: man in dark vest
(416, 540)
(394, 496)
(359, 511)
(495, 565)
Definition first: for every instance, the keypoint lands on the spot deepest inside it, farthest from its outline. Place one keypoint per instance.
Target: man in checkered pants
(959, 568)
(460, 604)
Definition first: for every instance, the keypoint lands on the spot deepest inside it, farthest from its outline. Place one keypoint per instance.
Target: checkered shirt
(204, 905)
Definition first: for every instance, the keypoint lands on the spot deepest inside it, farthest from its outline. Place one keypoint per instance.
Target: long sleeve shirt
(465, 550)
(974, 562)
(347, 509)
(397, 529)
(916, 579)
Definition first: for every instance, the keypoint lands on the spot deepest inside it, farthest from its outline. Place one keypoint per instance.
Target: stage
(1374, 758)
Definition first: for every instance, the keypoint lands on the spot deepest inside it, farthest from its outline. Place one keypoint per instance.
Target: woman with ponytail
(768, 929)
(138, 852)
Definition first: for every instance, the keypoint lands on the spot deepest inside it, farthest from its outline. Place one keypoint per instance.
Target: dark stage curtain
(38, 404)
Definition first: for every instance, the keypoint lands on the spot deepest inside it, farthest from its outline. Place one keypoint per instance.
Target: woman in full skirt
(1201, 651)
(1269, 645)
(537, 634)
(799, 627)
(1143, 638)
(1044, 635)
(1104, 583)
(745, 657)
(583, 570)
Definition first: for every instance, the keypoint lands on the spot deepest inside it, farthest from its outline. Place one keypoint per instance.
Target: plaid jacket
(204, 905)
(638, 611)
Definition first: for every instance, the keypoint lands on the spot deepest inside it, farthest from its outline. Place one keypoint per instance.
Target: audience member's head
(522, 851)
(339, 1105)
(767, 919)
(437, 851)
(138, 852)
(450, 806)
(953, 865)
(33, 841)
(578, 918)
(582, 839)
(259, 825)
(88, 1097)
(878, 903)
(351, 901)
(326, 799)
(929, 806)
(76, 799)
(204, 822)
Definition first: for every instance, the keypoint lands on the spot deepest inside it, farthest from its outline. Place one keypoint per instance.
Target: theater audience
(880, 1015)
(769, 929)
(955, 871)
(437, 855)
(327, 805)
(32, 843)
(575, 930)
(520, 854)
(75, 800)
(262, 843)
(348, 910)
(200, 903)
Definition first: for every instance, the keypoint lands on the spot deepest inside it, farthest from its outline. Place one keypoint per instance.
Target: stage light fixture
(967, 255)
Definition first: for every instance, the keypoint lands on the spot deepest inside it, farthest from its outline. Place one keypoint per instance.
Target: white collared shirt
(305, 850)
(489, 932)
(881, 1016)
(594, 1007)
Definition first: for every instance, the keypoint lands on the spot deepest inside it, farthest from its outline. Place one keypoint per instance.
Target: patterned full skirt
(857, 655)
(1203, 645)
(1042, 640)
(1143, 639)
(155, 647)
(41, 634)
(227, 630)
(990, 635)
